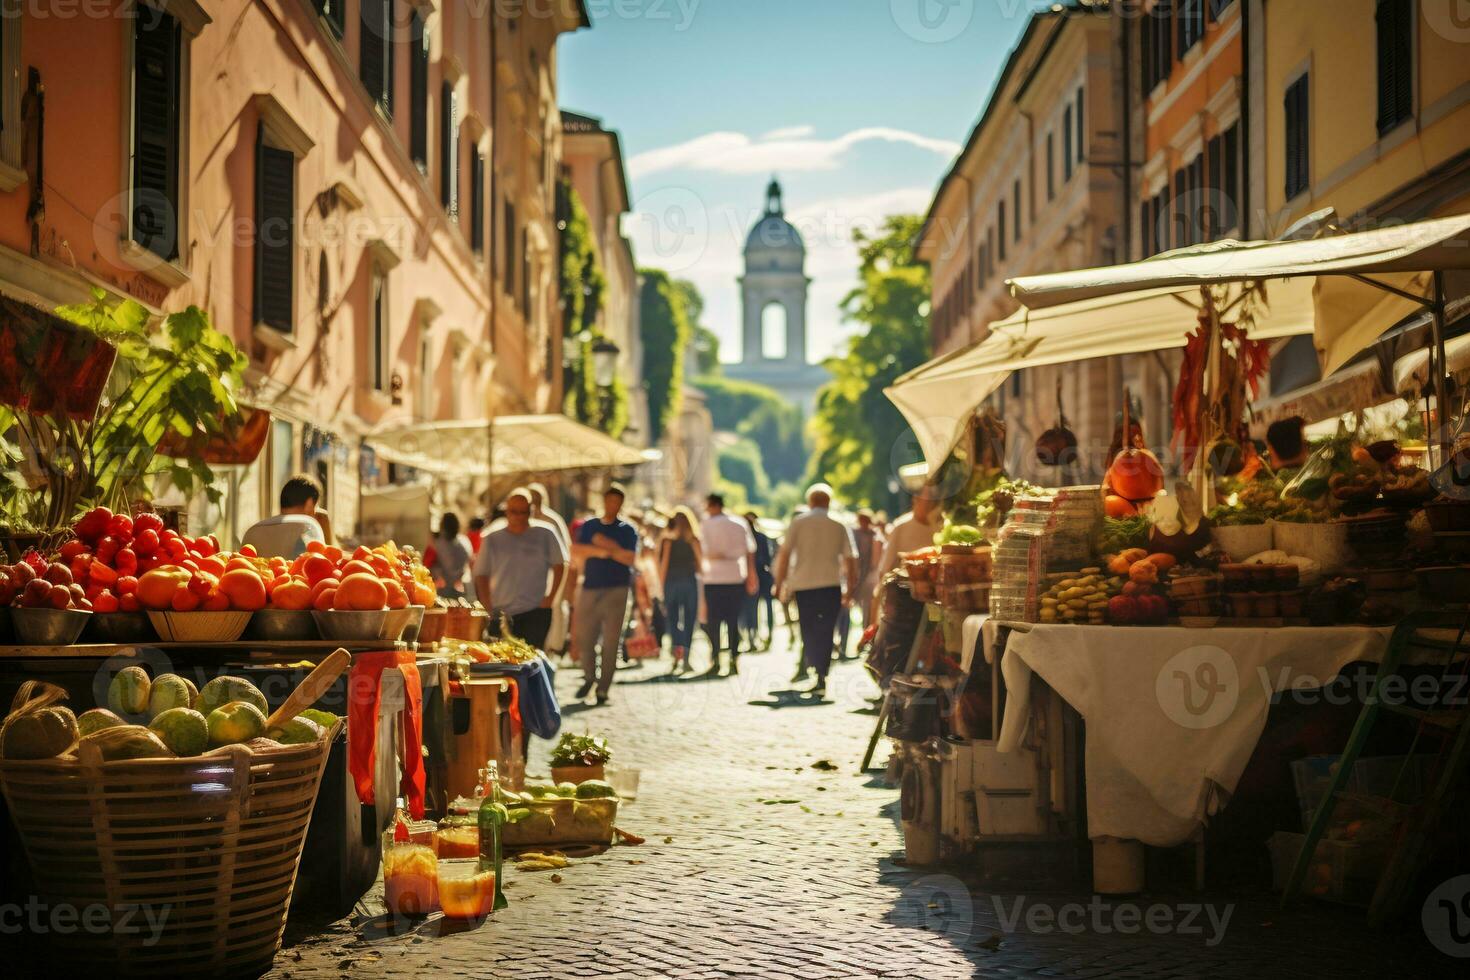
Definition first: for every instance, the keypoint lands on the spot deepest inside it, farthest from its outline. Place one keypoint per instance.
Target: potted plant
(578, 758)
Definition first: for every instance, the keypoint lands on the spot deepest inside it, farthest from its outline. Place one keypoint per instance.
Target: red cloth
(364, 694)
(515, 708)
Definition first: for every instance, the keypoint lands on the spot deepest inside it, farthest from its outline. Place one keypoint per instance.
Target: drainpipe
(969, 236)
(1243, 144)
(1125, 55)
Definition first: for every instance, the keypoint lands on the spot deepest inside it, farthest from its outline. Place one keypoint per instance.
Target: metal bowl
(280, 625)
(48, 627)
(119, 627)
(348, 624)
(403, 624)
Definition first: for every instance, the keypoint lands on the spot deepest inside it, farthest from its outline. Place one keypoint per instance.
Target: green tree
(666, 334)
(581, 286)
(856, 427)
(761, 415)
(706, 342)
(740, 462)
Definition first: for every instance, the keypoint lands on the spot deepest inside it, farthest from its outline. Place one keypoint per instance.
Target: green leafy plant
(581, 750)
(582, 285)
(666, 333)
(182, 379)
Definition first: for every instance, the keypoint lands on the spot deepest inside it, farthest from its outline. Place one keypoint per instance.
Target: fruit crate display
(217, 838)
(1016, 567)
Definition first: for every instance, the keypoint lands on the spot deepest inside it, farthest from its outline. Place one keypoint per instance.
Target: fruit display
(505, 649)
(34, 583)
(1142, 598)
(158, 717)
(1079, 597)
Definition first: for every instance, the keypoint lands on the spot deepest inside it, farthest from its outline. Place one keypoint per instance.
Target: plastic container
(1326, 544)
(625, 782)
(1340, 871)
(1241, 541)
(561, 821)
(1398, 779)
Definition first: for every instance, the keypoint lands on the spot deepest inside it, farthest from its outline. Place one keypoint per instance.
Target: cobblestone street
(759, 862)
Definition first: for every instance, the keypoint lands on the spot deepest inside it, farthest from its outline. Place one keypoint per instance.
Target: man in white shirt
(912, 531)
(729, 576)
(287, 534)
(818, 565)
(556, 638)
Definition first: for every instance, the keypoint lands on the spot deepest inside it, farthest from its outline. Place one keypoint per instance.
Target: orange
(241, 562)
(318, 567)
(216, 601)
(397, 598)
(212, 565)
(155, 589)
(244, 589)
(291, 594)
(362, 553)
(381, 566)
(324, 599)
(423, 595)
(333, 552)
(317, 588)
(361, 591)
(184, 600)
(356, 567)
(315, 547)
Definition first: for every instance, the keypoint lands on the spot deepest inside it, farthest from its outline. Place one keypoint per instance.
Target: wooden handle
(313, 687)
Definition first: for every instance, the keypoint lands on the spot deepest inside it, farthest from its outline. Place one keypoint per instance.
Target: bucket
(1117, 866)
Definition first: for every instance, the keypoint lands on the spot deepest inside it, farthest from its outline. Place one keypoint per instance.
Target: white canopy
(937, 398)
(1350, 313)
(522, 444)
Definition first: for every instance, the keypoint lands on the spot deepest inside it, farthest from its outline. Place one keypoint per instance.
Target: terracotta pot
(576, 774)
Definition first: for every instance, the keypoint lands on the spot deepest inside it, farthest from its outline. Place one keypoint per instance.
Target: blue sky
(858, 105)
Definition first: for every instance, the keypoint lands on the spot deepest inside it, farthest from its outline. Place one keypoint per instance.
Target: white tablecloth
(1172, 714)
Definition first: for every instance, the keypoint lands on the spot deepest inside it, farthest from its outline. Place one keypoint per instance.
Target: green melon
(224, 689)
(184, 730)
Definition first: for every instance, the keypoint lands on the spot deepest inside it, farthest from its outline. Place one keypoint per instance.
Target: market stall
(1171, 615)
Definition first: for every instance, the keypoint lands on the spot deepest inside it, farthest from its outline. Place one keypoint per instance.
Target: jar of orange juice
(410, 878)
(466, 891)
(457, 841)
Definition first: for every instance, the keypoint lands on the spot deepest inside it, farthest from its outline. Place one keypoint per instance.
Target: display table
(1172, 714)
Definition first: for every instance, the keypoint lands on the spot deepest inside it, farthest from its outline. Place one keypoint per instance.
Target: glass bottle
(491, 818)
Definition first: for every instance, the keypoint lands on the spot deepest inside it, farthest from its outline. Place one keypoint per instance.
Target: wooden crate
(216, 839)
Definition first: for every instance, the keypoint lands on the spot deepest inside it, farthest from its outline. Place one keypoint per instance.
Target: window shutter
(1145, 56)
(376, 52)
(508, 241)
(1051, 166)
(1298, 143)
(1145, 240)
(1016, 208)
(156, 65)
(275, 234)
(1395, 63)
(1081, 129)
(418, 94)
(449, 150)
(1231, 217)
(1000, 229)
(477, 202)
(334, 12)
(1067, 144)
(526, 277)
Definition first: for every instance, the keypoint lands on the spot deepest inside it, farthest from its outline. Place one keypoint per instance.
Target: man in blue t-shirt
(607, 547)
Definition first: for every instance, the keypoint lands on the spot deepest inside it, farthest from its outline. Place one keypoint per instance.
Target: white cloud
(783, 150)
(789, 133)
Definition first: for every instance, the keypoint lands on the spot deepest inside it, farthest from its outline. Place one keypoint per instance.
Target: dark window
(477, 201)
(1295, 365)
(275, 234)
(449, 150)
(334, 12)
(990, 252)
(980, 268)
(379, 327)
(1145, 228)
(376, 64)
(1217, 7)
(1067, 145)
(1298, 137)
(1000, 229)
(1081, 130)
(1157, 44)
(1051, 166)
(526, 275)
(1190, 24)
(1214, 185)
(418, 92)
(157, 51)
(1222, 205)
(1016, 209)
(1395, 63)
(984, 266)
(1179, 212)
(1231, 216)
(508, 247)
(1161, 221)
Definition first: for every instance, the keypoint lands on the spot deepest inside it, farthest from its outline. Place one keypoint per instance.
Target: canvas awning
(522, 444)
(1350, 312)
(938, 398)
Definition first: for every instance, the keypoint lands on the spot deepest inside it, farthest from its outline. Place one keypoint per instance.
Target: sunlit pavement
(759, 862)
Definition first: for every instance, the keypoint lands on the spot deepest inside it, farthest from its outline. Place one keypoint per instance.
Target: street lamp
(604, 362)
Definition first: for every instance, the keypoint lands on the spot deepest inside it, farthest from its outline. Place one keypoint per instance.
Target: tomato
(101, 573)
(248, 550)
(108, 547)
(121, 526)
(79, 565)
(105, 602)
(125, 561)
(176, 548)
(93, 524)
(147, 522)
(70, 549)
(145, 542)
(129, 603)
(126, 585)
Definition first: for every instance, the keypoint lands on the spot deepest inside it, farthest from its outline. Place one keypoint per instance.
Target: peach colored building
(361, 194)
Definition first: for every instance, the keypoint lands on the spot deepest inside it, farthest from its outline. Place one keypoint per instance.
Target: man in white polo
(818, 565)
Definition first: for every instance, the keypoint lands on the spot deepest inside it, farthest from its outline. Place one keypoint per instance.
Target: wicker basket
(199, 627)
(216, 839)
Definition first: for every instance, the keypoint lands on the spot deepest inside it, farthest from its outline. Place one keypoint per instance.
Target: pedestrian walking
(541, 510)
(450, 558)
(764, 584)
(729, 576)
(869, 540)
(818, 566)
(519, 571)
(680, 557)
(608, 548)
